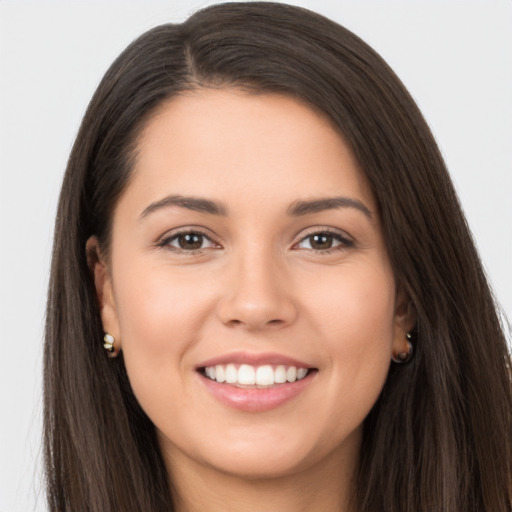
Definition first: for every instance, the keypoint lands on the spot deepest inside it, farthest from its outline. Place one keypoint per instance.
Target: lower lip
(253, 399)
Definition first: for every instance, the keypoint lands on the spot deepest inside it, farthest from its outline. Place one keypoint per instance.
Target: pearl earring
(108, 344)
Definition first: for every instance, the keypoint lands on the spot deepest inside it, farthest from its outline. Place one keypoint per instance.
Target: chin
(261, 466)
(265, 455)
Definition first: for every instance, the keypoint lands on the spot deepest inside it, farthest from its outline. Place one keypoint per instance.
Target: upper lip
(254, 360)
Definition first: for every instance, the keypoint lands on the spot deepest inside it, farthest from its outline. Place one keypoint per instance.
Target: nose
(257, 295)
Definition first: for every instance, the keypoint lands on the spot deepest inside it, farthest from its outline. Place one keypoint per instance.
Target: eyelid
(163, 241)
(346, 240)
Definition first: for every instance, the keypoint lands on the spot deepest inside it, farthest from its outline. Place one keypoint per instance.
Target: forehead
(232, 144)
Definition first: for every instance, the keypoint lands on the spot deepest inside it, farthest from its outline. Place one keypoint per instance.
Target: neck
(327, 486)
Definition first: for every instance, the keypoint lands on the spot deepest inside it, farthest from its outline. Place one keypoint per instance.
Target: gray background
(454, 56)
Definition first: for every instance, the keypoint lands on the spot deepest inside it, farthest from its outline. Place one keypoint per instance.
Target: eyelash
(166, 241)
(344, 242)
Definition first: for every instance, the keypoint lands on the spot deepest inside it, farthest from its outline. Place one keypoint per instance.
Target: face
(248, 285)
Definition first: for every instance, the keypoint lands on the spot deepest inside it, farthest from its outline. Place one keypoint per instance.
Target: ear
(404, 322)
(104, 290)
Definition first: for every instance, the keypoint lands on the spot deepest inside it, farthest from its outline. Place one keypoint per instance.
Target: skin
(257, 284)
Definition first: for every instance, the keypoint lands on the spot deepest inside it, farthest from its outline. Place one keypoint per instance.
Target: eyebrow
(191, 203)
(299, 208)
(296, 209)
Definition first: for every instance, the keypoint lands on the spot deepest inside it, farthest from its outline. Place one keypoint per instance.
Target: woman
(258, 228)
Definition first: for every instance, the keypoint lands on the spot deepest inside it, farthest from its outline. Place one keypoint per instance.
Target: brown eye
(323, 241)
(188, 242)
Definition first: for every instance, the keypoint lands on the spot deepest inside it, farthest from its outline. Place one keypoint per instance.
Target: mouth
(248, 376)
(255, 383)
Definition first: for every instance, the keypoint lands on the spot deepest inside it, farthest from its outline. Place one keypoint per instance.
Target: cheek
(160, 320)
(356, 322)
(356, 308)
(158, 308)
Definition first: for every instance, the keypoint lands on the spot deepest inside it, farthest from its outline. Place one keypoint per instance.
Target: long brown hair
(439, 437)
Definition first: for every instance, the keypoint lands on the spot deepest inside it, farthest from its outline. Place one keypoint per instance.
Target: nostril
(275, 322)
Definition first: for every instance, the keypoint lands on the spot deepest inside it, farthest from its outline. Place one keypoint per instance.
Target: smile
(255, 383)
(259, 377)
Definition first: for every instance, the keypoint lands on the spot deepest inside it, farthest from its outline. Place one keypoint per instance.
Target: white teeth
(291, 374)
(265, 376)
(280, 375)
(261, 376)
(246, 375)
(301, 373)
(231, 374)
(220, 374)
